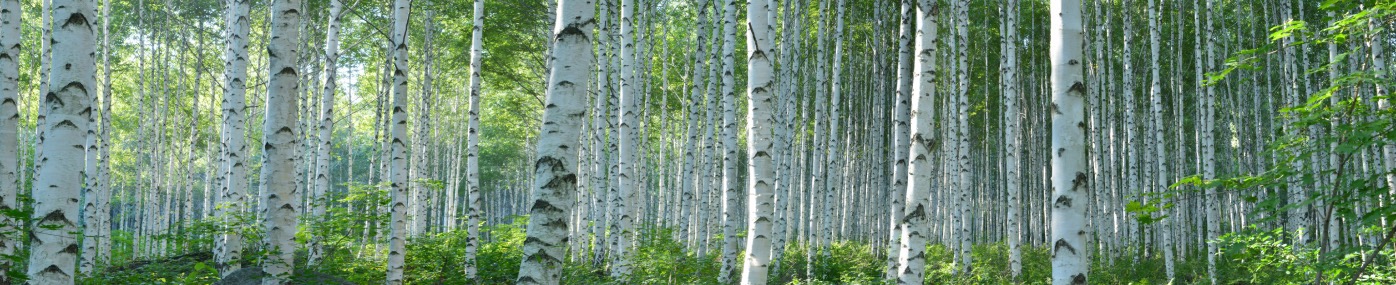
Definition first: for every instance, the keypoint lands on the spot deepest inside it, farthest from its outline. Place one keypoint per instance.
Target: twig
(1370, 258)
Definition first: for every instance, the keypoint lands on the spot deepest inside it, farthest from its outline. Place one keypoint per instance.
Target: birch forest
(697, 142)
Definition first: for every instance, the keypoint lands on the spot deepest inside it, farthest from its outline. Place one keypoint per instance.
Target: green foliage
(193, 268)
(660, 259)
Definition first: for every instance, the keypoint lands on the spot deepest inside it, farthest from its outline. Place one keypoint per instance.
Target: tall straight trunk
(1210, 198)
(318, 202)
(90, 193)
(626, 198)
(233, 194)
(57, 186)
(714, 175)
(901, 134)
(833, 162)
(760, 125)
(785, 193)
(1296, 216)
(421, 194)
(397, 150)
(554, 181)
(821, 131)
(1011, 136)
(45, 68)
(964, 176)
(280, 142)
(472, 150)
(692, 178)
(605, 140)
(10, 39)
(1388, 152)
(104, 248)
(916, 215)
(730, 192)
(1070, 189)
(1159, 155)
(1131, 157)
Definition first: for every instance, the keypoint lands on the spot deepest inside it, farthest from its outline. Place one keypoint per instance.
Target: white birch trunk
(53, 239)
(104, 167)
(964, 185)
(832, 160)
(760, 126)
(1379, 68)
(1070, 252)
(280, 142)
(1011, 137)
(901, 134)
(1155, 95)
(326, 131)
(233, 194)
(730, 192)
(10, 39)
(397, 167)
(915, 219)
(472, 156)
(1208, 123)
(554, 181)
(626, 198)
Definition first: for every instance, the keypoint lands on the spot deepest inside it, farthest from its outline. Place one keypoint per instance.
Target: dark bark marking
(1062, 201)
(1062, 243)
(1077, 87)
(76, 19)
(1079, 182)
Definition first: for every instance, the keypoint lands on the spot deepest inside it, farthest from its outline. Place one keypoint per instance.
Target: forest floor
(1252, 258)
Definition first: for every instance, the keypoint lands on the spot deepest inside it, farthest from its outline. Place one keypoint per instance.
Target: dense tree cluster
(641, 141)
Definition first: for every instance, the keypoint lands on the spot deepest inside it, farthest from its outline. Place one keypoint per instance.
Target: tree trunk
(57, 186)
(1070, 252)
(280, 143)
(472, 156)
(1010, 136)
(760, 124)
(912, 260)
(964, 177)
(901, 134)
(326, 132)
(397, 167)
(10, 39)
(554, 179)
(233, 195)
(730, 193)
(626, 198)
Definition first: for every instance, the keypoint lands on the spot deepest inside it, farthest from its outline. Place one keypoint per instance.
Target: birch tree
(472, 156)
(901, 134)
(1070, 252)
(1010, 136)
(1208, 149)
(625, 200)
(961, 139)
(104, 158)
(915, 216)
(1156, 100)
(232, 195)
(554, 181)
(397, 152)
(66, 109)
(281, 137)
(326, 129)
(729, 144)
(10, 38)
(760, 125)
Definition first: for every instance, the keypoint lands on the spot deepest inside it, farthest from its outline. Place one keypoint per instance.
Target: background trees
(942, 153)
